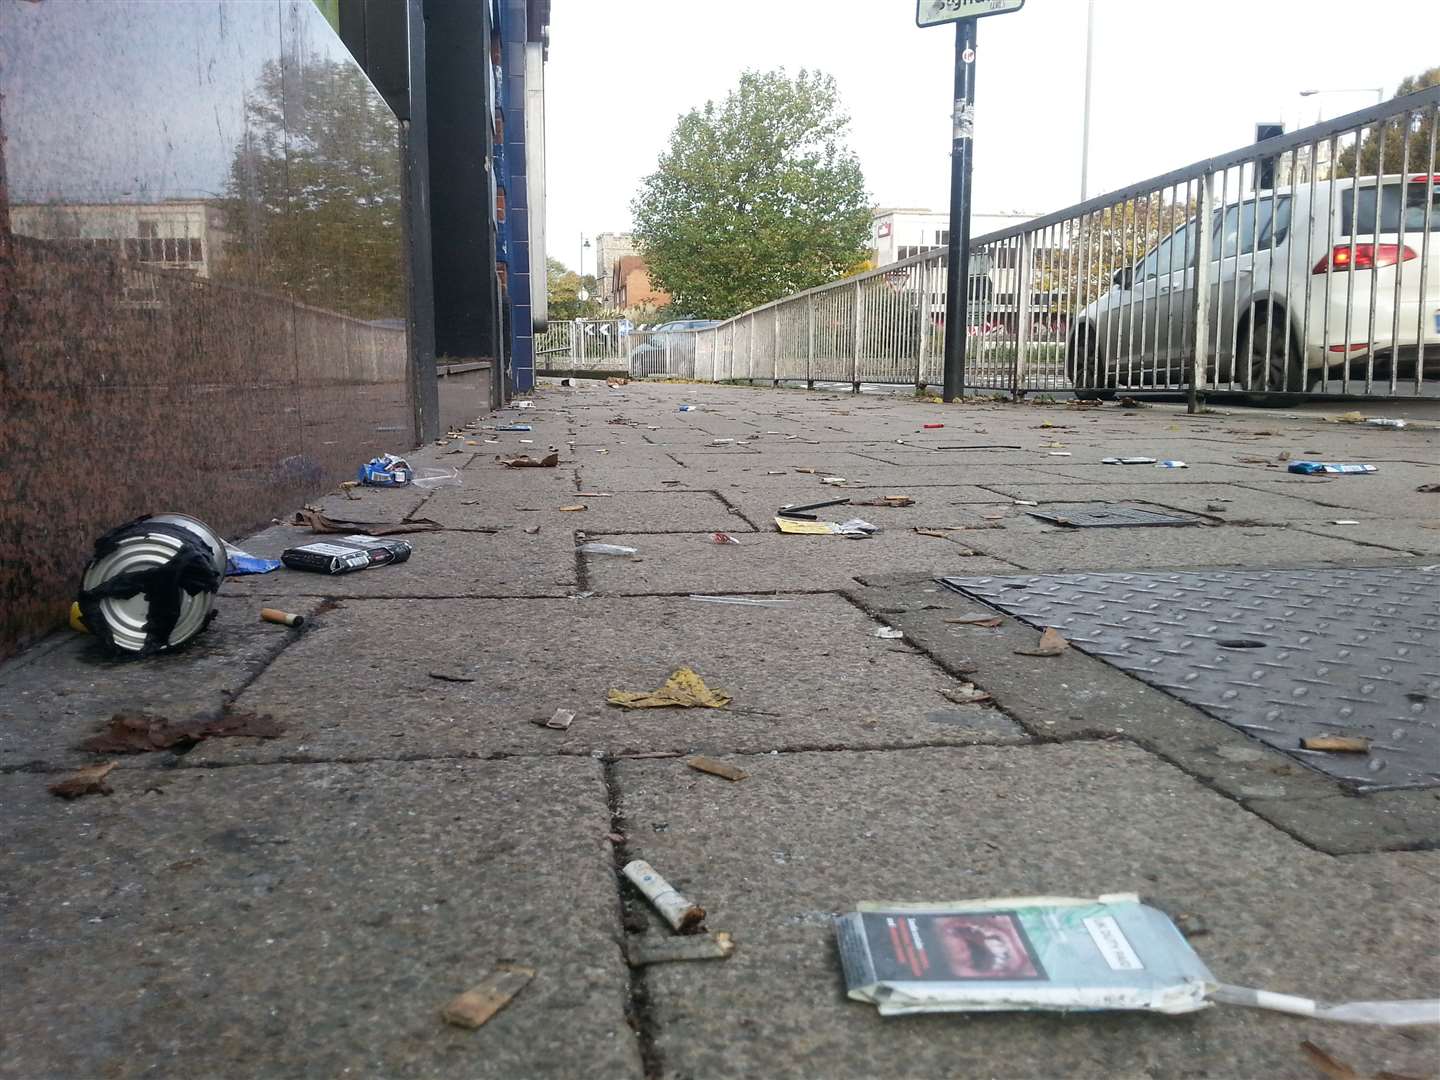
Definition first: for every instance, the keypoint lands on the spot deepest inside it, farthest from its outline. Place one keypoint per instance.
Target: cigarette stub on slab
(682, 915)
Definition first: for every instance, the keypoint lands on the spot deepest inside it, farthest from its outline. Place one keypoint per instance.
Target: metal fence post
(922, 349)
(1201, 306)
(775, 359)
(855, 346)
(810, 343)
(1023, 255)
(669, 355)
(577, 345)
(750, 351)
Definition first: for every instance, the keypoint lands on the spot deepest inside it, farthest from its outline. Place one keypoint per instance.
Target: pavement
(306, 905)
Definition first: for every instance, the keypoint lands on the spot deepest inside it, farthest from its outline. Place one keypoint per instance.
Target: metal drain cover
(1106, 516)
(1281, 654)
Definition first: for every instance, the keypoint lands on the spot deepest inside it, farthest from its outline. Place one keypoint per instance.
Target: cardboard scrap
(716, 768)
(560, 721)
(642, 950)
(143, 733)
(477, 1005)
(525, 461)
(320, 523)
(88, 781)
(684, 689)
(1052, 643)
(1337, 744)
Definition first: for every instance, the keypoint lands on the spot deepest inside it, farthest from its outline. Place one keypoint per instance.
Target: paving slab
(347, 690)
(1230, 502)
(807, 835)
(312, 921)
(1383, 534)
(505, 563)
(769, 561)
(63, 690)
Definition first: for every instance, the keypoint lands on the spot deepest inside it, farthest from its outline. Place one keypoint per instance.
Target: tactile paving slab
(1280, 654)
(1107, 516)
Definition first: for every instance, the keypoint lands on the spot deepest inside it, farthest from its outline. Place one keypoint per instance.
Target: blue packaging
(1310, 468)
(386, 471)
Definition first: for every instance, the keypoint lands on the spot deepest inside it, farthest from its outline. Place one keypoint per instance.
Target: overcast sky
(1173, 82)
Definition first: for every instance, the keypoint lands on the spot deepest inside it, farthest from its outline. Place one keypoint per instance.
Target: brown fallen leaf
(1337, 744)
(143, 733)
(716, 768)
(320, 523)
(988, 621)
(576, 509)
(1052, 643)
(684, 689)
(1331, 1066)
(525, 461)
(477, 1005)
(969, 694)
(88, 781)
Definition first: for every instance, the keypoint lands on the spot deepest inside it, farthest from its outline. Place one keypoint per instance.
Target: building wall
(233, 395)
(610, 248)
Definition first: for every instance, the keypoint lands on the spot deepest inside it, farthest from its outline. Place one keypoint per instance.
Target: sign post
(963, 13)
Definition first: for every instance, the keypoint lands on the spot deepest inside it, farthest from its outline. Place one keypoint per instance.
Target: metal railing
(1318, 271)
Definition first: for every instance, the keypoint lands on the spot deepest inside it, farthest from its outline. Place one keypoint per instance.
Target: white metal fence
(1318, 272)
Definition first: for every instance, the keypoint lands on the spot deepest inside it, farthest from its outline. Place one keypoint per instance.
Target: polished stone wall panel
(202, 292)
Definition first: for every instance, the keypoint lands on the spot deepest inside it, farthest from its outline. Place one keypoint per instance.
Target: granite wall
(202, 286)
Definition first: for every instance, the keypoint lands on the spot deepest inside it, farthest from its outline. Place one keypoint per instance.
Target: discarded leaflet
(684, 689)
(855, 527)
(1026, 954)
(1312, 468)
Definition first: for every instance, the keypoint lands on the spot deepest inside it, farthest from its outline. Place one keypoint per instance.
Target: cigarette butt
(680, 913)
(284, 618)
(1337, 744)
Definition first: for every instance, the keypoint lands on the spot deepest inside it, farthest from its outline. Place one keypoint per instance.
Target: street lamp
(1378, 91)
(1085, 127)
(583, 245)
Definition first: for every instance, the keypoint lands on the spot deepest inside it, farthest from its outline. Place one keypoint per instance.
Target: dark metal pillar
(961, 163)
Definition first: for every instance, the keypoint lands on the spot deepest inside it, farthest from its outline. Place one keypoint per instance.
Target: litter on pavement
(1311, 468)
(723, 538)
(642, 950)
(514, 427)
(683, 916)
(1127, 461)
(748, 601)
(282, 618)
(1171, 465)
(143, 733)
(385, 471)
(1337, 744)
(889, 633)
(1052, 643)
(477, 1005)
(801, 510)
(716, 768)
(239, 563)
(968, 694)
(855, 528)
(606, 549)
(346, 554)
(560, 720)
(684, 689)
(317, 522)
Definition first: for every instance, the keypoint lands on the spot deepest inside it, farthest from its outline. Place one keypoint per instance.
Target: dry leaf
(1052, 643)
(577, 508)
(988, 621)
(716, 768)
(1337, 744)
(969, 694)
(141, 733)
(89, 781)
(684, 689)
(525, 461)
(477, 1005)
(1330, 1066)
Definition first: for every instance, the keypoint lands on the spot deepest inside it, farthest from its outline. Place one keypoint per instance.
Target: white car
(1303, 282)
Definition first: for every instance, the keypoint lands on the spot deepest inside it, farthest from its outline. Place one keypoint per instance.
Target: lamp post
(583, 245)
(1085, 124)
(1378, 91)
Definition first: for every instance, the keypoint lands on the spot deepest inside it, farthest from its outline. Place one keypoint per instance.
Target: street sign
(938, 12)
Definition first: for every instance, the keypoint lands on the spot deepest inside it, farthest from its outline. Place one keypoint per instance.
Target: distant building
(610, 248)
(899, 233)
(630, 287)
(186, 235)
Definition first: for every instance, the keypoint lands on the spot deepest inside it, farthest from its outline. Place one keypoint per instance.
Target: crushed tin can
(150, 586)
(345, 554)
(386, 471)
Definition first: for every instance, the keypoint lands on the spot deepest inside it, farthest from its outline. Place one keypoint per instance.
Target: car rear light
(1363, 257)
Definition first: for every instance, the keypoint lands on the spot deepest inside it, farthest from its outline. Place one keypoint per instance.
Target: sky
(1173, 82)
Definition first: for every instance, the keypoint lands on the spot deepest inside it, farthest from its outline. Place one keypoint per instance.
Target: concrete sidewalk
(304, 906)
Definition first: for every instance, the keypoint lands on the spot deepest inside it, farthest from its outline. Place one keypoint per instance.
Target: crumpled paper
(684, 689)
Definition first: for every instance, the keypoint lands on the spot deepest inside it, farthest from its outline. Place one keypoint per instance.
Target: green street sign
(938, 12)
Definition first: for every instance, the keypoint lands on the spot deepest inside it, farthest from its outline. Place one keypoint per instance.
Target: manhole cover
(1280, 654)
(1105, 516)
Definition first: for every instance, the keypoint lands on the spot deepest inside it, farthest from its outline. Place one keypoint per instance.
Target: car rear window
(1359, 220)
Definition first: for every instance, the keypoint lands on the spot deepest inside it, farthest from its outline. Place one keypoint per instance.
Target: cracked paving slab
(806, 835)
(312, 921)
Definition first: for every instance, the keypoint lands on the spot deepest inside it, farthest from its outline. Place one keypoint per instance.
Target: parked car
(669, 349)
(1304, 279)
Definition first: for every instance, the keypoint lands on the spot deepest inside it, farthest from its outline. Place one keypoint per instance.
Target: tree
(565, 286)
(754, 198)
(1391, 134)
(313, 202)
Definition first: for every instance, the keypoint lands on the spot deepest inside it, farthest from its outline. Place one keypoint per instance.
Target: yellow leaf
(684, 689)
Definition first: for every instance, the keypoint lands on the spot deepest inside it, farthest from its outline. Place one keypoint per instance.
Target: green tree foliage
(1391, 135)
(313, 202)
(565, 286)
(755, 197)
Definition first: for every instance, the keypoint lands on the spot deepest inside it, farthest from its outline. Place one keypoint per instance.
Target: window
(1390, 203)
(942, 236)
(1241, 232)
(1174, 253)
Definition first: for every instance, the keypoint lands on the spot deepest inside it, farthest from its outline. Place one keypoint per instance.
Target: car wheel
(1090, 365)
(1270, 364)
